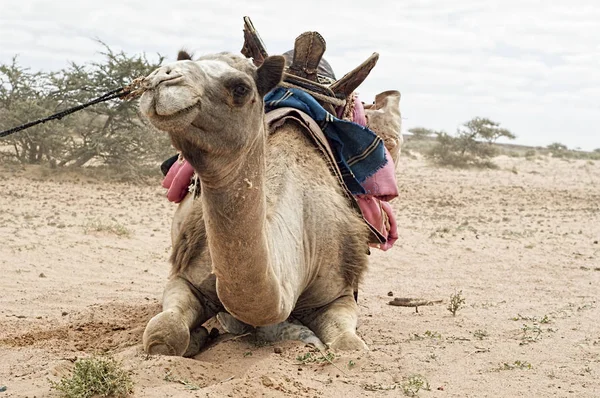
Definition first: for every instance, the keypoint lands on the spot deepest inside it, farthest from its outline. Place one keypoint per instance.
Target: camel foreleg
(177, 329)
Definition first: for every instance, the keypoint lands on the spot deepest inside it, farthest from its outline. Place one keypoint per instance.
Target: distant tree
(420, 133)
(25, 96)
(557, 147)
(558, 150)
(597, 150)
(485, 129)
(109, 133)
(472, 146)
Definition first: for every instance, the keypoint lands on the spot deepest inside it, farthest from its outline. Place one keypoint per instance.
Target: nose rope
(127, 93)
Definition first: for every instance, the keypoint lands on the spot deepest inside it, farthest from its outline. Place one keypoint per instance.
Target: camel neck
(234, 208)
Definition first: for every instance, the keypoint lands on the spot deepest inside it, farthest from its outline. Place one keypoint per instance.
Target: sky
(533, 66)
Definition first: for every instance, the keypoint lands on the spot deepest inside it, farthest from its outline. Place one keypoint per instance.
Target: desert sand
(83, 265)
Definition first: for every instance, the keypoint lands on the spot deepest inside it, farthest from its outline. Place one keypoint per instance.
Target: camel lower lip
(176, 114)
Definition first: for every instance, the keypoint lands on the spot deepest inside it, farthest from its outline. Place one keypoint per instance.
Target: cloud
(533, 66)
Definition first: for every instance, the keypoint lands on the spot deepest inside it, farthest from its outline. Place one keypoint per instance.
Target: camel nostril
(168, 72)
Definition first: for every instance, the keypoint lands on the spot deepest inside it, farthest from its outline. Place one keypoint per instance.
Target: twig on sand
(412, 302)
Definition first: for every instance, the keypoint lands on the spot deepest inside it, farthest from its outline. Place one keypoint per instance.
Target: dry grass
(96, 376)
(110, 228)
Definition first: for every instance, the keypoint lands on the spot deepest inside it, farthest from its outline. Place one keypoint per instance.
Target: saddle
(306, 69)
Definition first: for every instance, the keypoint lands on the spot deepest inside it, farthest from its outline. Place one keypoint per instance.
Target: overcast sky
(533, 66)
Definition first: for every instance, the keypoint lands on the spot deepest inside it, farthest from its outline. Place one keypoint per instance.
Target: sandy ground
(84, 264)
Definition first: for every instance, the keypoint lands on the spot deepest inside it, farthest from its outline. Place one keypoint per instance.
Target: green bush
(110, 133)
(472, 146)
(95, 377)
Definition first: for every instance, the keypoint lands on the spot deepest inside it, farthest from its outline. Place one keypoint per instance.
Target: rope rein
(129, 92)
(132, 91)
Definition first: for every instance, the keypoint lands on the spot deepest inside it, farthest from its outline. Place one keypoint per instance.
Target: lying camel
(272, 234)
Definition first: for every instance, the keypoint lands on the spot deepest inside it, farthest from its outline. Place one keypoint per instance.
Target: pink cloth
(381, 187)
(177, 180)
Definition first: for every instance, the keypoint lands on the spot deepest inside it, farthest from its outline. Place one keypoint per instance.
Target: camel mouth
(167, 114)
(177, 114)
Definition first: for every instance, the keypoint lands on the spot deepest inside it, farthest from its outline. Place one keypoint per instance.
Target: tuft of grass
(427, 335)
(516, 365)
(309, 357)
(413, 384)
(457, 301)
(99, 226)
(531, 334)
(174, 379)
(480, 334)
(545, 319)
(96, 376)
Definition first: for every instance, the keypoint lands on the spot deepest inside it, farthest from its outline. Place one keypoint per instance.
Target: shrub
(110, 133)
(472, 146)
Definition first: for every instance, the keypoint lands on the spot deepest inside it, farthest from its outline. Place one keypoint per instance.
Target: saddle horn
(253, 45)
(351, 80)
(309, 48)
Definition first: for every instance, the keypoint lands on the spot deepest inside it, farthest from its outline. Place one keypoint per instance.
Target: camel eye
(240, 90)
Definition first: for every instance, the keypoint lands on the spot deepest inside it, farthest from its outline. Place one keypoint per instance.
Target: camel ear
(269, 74)
(183, 55)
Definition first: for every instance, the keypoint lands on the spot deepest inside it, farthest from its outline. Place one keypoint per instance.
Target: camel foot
(335, 324)
(286, 330)
(232, 325)
(348, 341)
(198, 339)
(166, 334)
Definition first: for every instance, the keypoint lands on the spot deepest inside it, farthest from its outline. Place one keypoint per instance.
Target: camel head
(212, 105)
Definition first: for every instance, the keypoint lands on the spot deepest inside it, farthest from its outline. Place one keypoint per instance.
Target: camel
(272, 235)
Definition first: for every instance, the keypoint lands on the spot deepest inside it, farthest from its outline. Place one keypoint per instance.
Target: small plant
(413, 384)
(519, 317)
(480, 334)
(172, 379)
(351, 364)
(531, 334)
(427, 335)
(99, 226)
(432, 335)
(95, 376)
(515, 365)
(310, 357)
(457, 301)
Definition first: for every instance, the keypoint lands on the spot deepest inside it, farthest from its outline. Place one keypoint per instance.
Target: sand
(84, 263)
